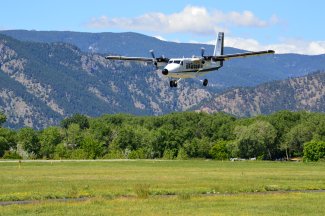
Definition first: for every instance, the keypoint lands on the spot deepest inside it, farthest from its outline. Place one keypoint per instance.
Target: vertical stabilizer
(218, 49)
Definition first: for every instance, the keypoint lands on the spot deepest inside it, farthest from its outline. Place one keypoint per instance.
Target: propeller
(202, 51)
(154, 58)
(152, 54)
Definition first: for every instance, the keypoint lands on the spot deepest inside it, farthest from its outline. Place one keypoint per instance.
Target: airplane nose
(165, 72)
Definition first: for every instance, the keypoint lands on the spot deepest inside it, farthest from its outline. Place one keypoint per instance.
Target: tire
(175, 83)
(205, 82)
(171, 83)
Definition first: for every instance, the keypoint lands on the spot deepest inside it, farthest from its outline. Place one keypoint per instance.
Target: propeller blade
(152, 54)
(154, 59)
(202, 51)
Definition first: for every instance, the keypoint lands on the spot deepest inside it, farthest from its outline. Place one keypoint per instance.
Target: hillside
(239, 72)
(301, 93)
(42, 83)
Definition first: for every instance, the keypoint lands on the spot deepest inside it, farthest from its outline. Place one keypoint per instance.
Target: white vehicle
(191, 67)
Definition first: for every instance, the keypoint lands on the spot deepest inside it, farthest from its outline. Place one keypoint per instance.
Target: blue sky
(286, 26)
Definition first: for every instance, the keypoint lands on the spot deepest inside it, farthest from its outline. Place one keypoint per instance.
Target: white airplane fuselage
(189, 67)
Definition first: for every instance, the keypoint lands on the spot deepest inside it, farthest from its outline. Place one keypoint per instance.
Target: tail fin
(218, 49)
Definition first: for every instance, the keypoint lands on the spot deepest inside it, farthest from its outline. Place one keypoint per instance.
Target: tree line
(279, 136)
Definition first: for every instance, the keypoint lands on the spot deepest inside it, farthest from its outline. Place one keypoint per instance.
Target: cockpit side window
(170, 61)
(177, 61)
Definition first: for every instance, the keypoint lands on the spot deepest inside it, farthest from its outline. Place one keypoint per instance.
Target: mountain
(41, 83)
(238, 72)
(301, 93)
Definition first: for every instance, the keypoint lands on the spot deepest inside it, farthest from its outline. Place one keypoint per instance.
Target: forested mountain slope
(239, 72)
(42, 83)
(301, 93)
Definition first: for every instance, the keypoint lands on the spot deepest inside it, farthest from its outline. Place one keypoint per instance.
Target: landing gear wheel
(205, 82)
(173, 83)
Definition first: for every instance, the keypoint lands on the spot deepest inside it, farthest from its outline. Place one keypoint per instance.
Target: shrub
(169, 154)
(114, 154)
(219, 151)
(138, 154)
(61, 152)
(182, 155)
(314, 150)
(11, 155)
(78, 154)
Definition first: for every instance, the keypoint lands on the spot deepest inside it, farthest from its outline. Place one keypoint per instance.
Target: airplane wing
(238, 55)
(130, 58)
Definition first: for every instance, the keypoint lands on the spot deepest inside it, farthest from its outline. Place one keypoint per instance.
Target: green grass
(252, 204)
(129, 187)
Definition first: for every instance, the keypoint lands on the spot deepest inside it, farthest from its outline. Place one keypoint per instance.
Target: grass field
(163, 187)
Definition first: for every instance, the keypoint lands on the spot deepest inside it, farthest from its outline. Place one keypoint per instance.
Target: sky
(287, 26)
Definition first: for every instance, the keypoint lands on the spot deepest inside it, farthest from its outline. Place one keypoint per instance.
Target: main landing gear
(205, 82)
(173, 83)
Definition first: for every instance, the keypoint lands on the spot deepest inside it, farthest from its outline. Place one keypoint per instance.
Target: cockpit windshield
(174, 61)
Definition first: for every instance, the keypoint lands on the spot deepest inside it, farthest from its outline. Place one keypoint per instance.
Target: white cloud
(192, 19)
(160, 38)
(286, 46)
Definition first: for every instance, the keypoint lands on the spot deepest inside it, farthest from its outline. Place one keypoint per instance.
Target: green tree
(128, 138)
(283, 121)
(101, 130)
(92, 147)
(3, 118)
(28, 140)
(3, 145)
(256, 140)
(49, 139)
(73, 136)
(79, 119)
(7, 140)
(320, 129)
(198, 148)
(295, 138)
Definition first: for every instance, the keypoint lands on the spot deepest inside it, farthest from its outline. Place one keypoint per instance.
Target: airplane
(180, 68)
